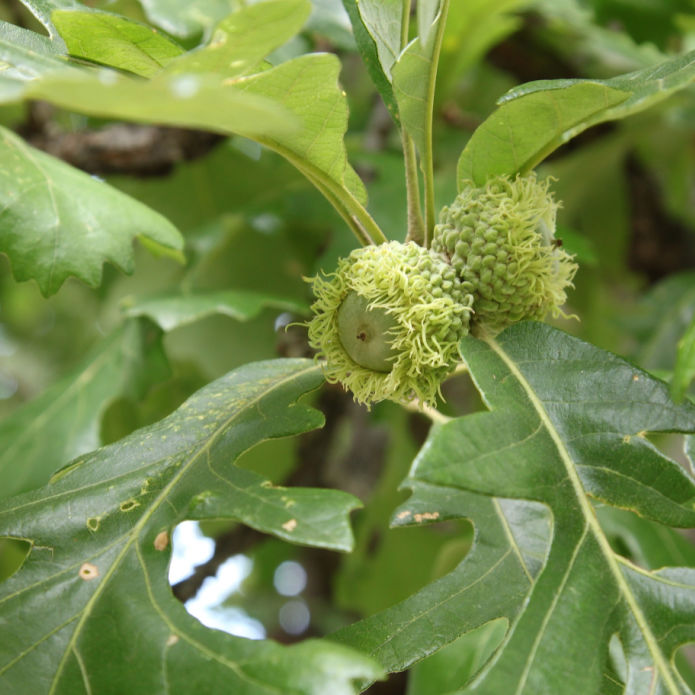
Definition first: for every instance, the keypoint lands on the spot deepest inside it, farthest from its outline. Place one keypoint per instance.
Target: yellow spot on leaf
(129, 505)
(426, 516)
(88, 571)
(93, 523)
(403, 515)
(290, 525)
(172, 640)
(161, 541)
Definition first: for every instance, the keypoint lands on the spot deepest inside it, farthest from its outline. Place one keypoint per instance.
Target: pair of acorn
(388, 321)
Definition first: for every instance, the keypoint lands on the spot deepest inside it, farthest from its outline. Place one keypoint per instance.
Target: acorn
(500, 238)
(388, 322)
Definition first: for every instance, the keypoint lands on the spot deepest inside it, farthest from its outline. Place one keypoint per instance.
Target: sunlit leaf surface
(536, 118)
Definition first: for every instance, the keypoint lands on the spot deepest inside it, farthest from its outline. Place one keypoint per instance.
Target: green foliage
(535, 119)
(64, 223)
(64, 421)
(114, 41)
(172, 311)
(522, 533)
(118, 505)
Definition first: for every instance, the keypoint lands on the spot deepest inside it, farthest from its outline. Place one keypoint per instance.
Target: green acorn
(388, 322)
(501, 240)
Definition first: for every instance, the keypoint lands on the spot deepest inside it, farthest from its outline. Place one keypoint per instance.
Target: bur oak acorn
(388, 321)
(500, 238)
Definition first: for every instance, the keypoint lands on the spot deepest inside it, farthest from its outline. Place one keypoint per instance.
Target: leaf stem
(433, 414)
(427, 162)
(405, 22)
(345, 203)
(416, 225)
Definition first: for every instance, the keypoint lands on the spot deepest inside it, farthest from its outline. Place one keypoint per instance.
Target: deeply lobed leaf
(99, 533)
(566, 427)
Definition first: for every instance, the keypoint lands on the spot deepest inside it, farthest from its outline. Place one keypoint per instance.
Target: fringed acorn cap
(500, 238)
(388, 322)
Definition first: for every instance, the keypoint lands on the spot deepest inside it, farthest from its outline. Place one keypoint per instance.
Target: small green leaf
(472, 28)
(684, 372)
(173, 311)
(57, 221)
(376, 26)
(100, 537)
(522, 131)
(187, 18)
(414, 76)
(63, 422)
(662, 319)
(241, 41)
(116, 41)
(536, 118)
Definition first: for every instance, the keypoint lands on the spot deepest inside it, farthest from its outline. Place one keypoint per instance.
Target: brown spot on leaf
(88, 571)
(161, 541)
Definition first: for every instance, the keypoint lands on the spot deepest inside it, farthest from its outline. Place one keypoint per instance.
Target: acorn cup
(500, 238)
(388, 322)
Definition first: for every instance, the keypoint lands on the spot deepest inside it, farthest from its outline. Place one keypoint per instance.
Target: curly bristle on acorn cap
(388, 322)
(501, 240)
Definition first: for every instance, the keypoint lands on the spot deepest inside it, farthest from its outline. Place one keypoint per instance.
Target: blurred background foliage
(253, 223)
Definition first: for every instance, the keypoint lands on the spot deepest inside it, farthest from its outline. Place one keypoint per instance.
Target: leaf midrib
(147, 514)
(590, 519)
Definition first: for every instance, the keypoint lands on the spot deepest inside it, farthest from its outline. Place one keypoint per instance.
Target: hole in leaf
(190, 548)
(294, 617)
(289, 578)
(13, 552)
